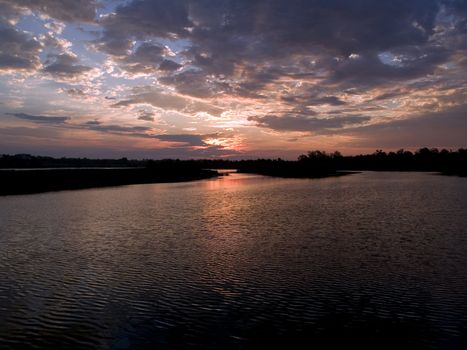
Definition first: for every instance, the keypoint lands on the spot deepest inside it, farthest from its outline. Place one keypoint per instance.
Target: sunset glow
(231, 79)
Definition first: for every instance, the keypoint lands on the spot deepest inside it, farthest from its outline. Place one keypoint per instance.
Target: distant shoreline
(40, 180)
(300, 175)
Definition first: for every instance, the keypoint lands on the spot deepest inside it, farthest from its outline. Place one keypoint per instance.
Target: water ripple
(375, 259)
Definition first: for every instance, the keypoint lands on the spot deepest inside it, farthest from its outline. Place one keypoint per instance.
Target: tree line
(312, 164)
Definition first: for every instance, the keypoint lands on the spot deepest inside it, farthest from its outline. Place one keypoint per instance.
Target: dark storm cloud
(189, 139)
(117, 128)
(147, 58)
(63, 10)
(8, 13)
(338, 25)
(370, 70)
(66, 67)
(309, 98)
(40, 118)
(293, 122)
(168, 65)
(141, 20)
(266, 40)
(329, 100)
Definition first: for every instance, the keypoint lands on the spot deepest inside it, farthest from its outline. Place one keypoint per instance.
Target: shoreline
(39, 180)
(33, 181)
(18, 182)
(292, 175)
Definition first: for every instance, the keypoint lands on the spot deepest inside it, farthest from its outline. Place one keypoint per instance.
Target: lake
(243, 261)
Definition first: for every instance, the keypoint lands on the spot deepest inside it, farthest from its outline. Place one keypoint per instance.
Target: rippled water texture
(244, 261)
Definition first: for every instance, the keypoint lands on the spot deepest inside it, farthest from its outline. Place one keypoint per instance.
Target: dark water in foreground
(376, 259)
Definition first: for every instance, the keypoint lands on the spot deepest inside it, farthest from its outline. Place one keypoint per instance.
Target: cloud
(187, 139)
(372, 69)
(388, 95)
(313, 66)
(132, 131)
(36, 132)
(145, 115)
(194, 83)
(93, 122)
(328, 100)
(65, 67)
(19, 51)
(308, 97)
(55, 44)
(40, 118)
(147, 58)
(63, 10)
(9, 15)
(111, 128)
(292, 122)
(168, 65)
(55, 27)
(240, 47)
(94, 125)
(142, 19)
(223, 30)
(75, 92)
(248, 49)
(168, 101)
(442, 128)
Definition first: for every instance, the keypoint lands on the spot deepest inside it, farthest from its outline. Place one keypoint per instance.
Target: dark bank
(44, 180)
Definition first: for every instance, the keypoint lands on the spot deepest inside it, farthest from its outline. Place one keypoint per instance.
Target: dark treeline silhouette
(21, 161)
(424, 159)
(303, 168)
(320, 163)
(314, 162)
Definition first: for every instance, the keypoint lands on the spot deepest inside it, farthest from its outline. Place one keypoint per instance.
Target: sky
(231, 78)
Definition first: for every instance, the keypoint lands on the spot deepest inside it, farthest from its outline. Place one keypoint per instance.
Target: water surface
(241, 261)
